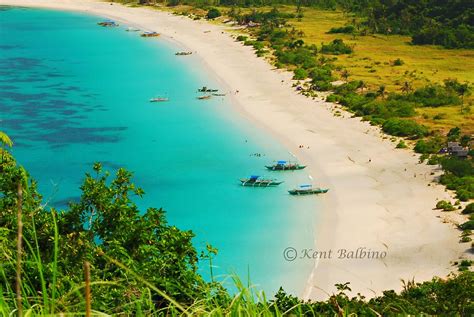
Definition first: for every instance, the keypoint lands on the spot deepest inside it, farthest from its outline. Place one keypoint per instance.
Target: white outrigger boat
(159, 99)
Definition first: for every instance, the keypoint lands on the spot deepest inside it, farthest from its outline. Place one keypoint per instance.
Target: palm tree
(5, 141)
(381, 91)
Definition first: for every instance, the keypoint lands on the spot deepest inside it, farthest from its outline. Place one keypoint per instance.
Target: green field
(422, 64)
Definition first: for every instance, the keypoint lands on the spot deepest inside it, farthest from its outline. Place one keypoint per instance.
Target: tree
(407, 87)
(454, 134)
(345, 74)
(6, 141)
(460, 89)
(213, 13)
(381, 91)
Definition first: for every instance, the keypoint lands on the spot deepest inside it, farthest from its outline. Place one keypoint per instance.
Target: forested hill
(449, 23)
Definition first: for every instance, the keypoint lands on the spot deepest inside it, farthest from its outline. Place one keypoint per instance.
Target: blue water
(73, 93)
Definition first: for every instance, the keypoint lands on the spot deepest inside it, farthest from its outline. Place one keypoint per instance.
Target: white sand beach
(380, 198)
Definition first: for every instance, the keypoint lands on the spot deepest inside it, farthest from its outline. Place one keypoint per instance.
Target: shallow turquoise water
(72, 93)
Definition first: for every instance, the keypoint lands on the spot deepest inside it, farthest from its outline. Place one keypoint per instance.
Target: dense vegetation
(137, 264)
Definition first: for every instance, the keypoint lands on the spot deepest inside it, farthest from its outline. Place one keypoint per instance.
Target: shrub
(258, 45)
(468, 225)
(213, 13)
(469, 209)
(431, 146)
(300, 73)
(401, 127)
(336, 47)
(321, 86)
(242, 38)
(458, 167)
(348, 29)
(398, 62)
(445, 205)
(321, 74)
(464, 195)
(401, 145)
(433, 160)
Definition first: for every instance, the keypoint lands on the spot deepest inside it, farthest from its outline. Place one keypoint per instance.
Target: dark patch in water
(20, 97)
(63, 136)
(6, 87)
(68, 88)
(55, 75)
(51, 85)
(19, 63)
(9, 47)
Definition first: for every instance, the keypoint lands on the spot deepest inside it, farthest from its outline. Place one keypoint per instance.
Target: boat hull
(248, 183)
(285, 167)
(297, 192)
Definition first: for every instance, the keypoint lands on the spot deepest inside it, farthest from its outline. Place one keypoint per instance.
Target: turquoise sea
(73, 93)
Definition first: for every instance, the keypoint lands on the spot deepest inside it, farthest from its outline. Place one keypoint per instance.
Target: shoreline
(390, 210)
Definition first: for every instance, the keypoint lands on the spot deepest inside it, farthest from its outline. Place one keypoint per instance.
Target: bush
(464, 195)
(445, 205)
(431, 146)
(213, 13)
(336, 47)
(431, 96)
(401, 145)
(398, 62)
(321, 86)
(433, 160)
(348, 29)
(258, 45)
(458, 167)
(468, 225)
(407, 128)
(469, 209)
(464, 186)
(300, 73)
(242, 38)
(332, 98)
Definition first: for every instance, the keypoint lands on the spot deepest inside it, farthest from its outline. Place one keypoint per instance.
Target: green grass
(423, 63)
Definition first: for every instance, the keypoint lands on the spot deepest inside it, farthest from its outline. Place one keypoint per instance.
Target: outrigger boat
(150, 34)
(256, 181)
(204, 97)
(108, 23)
(183, 53)
(285, 166)
(132, 29)
(205, 89)
(307, 189)
(158, 99)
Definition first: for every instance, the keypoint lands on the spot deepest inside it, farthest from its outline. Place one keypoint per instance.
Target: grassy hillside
(377, 52)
